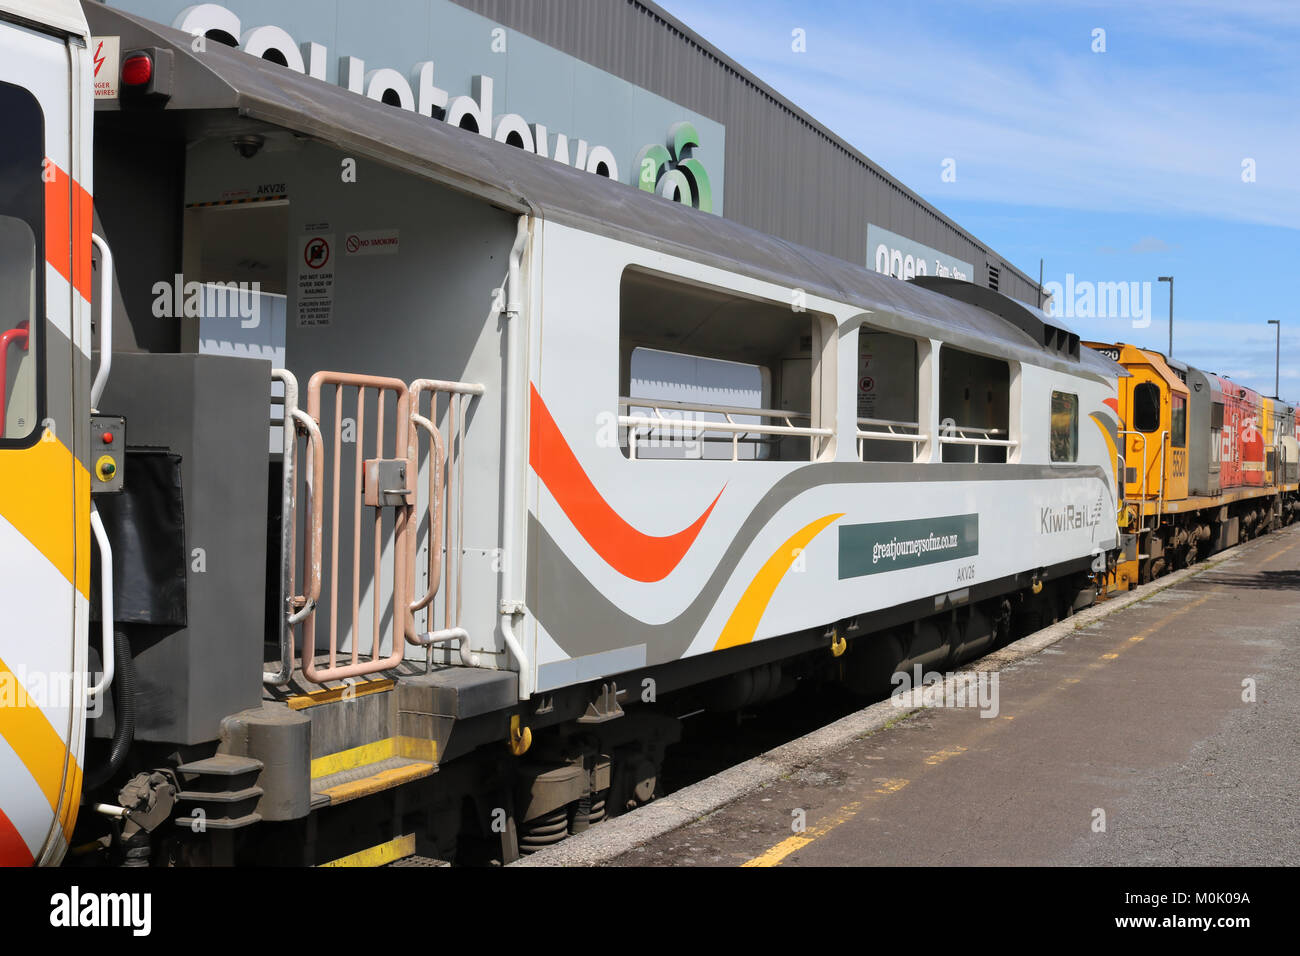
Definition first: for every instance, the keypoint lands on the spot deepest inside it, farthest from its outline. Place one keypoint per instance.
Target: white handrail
(657, 403)
(105, 320)
(641, 421)
(106, 603)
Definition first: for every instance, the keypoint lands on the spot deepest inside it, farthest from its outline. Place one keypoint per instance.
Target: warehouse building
(619, 88)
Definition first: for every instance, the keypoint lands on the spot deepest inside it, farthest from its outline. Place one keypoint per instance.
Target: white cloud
(1047, 126)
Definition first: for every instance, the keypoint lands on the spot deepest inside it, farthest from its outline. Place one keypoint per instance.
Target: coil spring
(597, 812)
(546, 830)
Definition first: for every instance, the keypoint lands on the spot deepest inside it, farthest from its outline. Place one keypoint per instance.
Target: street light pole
(1277, 361)
(1170, 280)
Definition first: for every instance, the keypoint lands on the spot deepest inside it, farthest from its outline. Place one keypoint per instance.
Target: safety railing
(381, 482)
(445, 509)
(1143, 437)
(980, 438)
(884, 429)
(379, 474)
(642, 427)
(1160, 499)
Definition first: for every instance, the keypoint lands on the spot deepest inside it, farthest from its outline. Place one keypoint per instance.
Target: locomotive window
(706, 373)
(22, 206)
(1178, 421)
(1146, 407)
(1065, 427)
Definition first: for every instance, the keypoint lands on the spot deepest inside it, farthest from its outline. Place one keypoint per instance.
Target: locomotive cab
(1153, 409)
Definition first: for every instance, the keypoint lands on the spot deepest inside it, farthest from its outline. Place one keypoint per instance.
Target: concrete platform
(1121, 737)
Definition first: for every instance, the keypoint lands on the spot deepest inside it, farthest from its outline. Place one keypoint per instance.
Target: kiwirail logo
(1072, 517)
(974, 689)
(75, 910)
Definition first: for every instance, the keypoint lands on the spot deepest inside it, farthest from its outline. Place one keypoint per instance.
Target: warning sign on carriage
(315, 289)
(105, 55)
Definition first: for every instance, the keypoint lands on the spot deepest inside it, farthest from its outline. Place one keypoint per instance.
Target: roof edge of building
(650, 8)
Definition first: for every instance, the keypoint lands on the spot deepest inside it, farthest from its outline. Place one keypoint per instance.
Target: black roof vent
(1036, 323)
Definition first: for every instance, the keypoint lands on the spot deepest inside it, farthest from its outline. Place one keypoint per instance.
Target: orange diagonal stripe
(38, 745)
(639, 556)
(13, 849)
(68, 218)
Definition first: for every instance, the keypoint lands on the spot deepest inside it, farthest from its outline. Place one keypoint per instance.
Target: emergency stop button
(109, 433)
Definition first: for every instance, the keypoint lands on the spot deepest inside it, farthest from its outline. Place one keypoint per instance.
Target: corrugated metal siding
(785, 174)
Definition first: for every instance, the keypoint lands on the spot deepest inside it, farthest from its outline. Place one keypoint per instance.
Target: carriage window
(22, 197)
(974, 407)
(1178, 421)
(1146, 407)
(888, 428)
(1065, 427)
(708, 374)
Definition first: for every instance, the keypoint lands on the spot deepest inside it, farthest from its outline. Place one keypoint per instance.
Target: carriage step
(225, 791)
(372, 768)
(222, 765)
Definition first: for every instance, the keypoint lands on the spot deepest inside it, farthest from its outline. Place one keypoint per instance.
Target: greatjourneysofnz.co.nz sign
(893, 545)
(520, 91)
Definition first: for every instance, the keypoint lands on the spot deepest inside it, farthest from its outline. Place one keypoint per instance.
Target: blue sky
(1115, 166)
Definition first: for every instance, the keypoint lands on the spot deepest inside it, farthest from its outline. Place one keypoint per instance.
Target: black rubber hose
(123, 712)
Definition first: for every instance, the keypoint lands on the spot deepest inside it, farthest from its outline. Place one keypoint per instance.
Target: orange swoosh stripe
(13, 850)
(743, 623)
(639, 556)
(68, 218)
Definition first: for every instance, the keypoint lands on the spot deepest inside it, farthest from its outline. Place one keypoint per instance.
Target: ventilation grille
(994, 275)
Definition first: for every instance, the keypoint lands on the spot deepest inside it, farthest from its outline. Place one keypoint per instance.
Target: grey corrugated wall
(785, 173)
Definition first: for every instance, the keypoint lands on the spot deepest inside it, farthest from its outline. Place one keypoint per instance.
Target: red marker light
(108, 438)
(136, 70)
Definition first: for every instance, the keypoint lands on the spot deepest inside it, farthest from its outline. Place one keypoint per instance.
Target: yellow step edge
(413, 748)
(330, 695)
(398, 849)
(375, 783)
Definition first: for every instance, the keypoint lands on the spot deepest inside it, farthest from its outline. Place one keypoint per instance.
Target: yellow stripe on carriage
(38, 745)
(743, 623)
(34, 499)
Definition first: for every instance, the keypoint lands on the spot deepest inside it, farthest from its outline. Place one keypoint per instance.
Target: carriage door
(44, 496)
